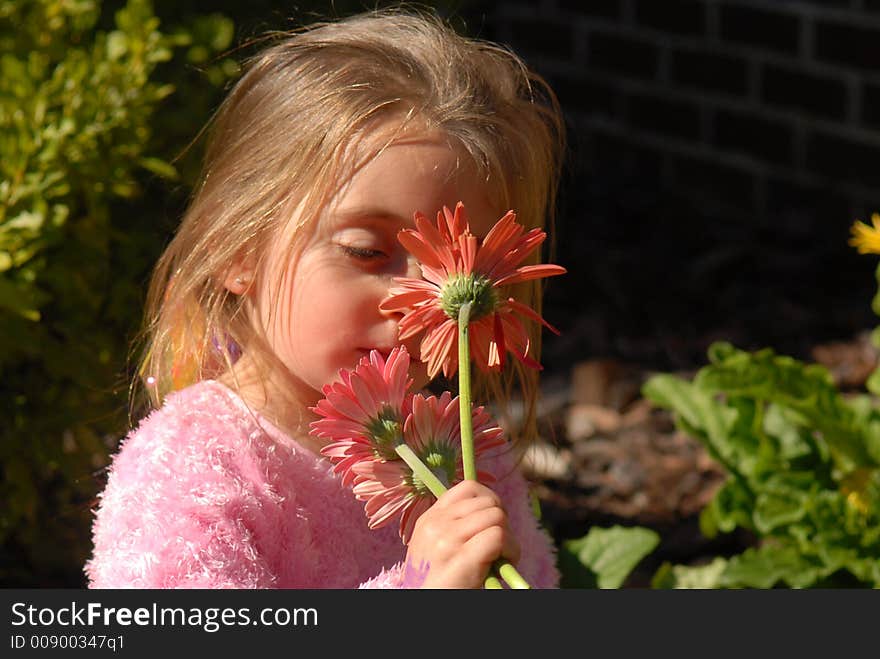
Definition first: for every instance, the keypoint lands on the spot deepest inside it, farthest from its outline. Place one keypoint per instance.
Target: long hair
(283, 138)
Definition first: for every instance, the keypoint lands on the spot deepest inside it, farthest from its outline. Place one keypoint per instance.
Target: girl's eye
(362, 253)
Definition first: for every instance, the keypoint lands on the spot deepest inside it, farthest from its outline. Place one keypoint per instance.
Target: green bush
(803, 464)
(81, 223)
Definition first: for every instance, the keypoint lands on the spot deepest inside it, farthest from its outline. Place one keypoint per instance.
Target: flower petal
(530, 272)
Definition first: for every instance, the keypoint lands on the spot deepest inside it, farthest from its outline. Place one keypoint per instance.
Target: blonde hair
(282, 139)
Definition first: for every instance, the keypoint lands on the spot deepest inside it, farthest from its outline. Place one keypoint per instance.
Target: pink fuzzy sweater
(203, 494)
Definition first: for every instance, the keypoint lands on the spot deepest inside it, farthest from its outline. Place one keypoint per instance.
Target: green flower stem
(510, 576)
(464, 393)
(505, 569)
(493, 583)
(420, 470)
(501, 567)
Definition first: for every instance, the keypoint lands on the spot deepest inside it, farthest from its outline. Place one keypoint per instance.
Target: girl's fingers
(461, 535)
(492, 533)
(475, 521)
(479, 553)
(467, 507)
(466, 490)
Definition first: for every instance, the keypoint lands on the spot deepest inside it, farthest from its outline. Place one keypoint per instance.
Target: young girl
(324, 149)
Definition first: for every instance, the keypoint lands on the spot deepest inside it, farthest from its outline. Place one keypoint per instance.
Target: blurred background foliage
(101, 107)
(88, 131)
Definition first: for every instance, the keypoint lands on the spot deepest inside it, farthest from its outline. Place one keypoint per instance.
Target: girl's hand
(460, 536)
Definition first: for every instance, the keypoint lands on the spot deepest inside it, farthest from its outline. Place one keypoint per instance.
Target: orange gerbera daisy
(456, 269)
(432, 431)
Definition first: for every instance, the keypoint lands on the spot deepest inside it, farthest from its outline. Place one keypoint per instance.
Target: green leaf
(777, 508)
(792, 444)
(872, 441)
(731, 507)
(769, 565)
(605, 556)
(117, 45)
(159, 167)
(701, 577)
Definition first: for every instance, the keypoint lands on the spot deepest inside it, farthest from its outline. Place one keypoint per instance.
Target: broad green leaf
(608, 555)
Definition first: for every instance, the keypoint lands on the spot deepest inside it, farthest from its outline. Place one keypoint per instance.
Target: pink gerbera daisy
(431, 430)
(363, 413)
(458, 269)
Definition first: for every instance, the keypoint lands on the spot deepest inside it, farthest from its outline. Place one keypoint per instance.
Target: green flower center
(442, 460)
(473, 288)
(386, 433)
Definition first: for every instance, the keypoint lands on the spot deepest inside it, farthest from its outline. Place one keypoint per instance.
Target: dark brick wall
(718, 152)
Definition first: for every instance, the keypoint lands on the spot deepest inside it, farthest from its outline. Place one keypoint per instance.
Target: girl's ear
(239, 278)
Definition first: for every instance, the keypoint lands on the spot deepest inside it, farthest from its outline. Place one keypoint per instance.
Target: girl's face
(325, 314)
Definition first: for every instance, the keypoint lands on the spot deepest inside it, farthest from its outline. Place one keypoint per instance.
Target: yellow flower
(866, 239)
(855, 486)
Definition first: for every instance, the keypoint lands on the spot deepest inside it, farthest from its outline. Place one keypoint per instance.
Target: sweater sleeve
(179, 511)
(390, 578)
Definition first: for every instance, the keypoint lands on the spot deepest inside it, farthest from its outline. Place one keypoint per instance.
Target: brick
(796, 89)
(843, 159)
(759, 27)
(626, 158)
(664, 116)
(850, 45)
(543, 37)
(871, 104)
(798, 205)
(709, 71)
(713, 182)
(620, 54)
(599, 8)
(754, 136)
(675, 16)
(587, 95)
